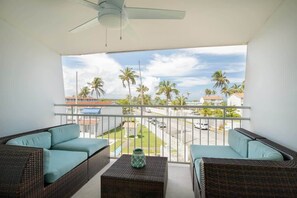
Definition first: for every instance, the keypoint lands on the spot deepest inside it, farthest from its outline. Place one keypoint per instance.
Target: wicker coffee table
(122, 180)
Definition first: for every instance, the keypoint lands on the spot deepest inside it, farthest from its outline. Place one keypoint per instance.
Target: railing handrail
(158, 106)
(151, 116)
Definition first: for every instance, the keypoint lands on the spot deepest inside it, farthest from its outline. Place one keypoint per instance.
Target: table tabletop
(154, 170)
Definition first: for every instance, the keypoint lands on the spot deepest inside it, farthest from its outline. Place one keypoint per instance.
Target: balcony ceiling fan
(113, 14)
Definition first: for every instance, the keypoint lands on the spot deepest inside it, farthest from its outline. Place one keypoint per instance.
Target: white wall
(271, 77)
(31, 81)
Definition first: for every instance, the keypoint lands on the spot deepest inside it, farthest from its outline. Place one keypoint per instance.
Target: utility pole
(142, 102)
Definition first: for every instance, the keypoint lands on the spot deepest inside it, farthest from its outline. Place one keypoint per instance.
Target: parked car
(148, 111)
(154, 121)
(203, 126)
(162, 125)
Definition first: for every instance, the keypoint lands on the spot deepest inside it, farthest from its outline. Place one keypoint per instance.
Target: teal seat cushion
(260, 151)
(39, 140)
(199, 151)
(82, 144)
(61, 162)
(238, 142)
(64, 133)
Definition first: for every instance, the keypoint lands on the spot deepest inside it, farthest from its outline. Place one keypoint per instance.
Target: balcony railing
(158, 130)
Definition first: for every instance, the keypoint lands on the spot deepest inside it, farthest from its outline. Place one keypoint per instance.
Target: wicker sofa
(260, 172)
(25, 159)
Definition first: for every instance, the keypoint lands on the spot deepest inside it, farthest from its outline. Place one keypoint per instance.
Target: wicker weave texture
(21, 171)
(122, 180)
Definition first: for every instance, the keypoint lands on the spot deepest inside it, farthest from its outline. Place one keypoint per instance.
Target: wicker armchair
(21, 171)
(248, 178)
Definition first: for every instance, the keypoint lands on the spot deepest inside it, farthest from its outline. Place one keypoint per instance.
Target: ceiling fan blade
(85, 25)
(148, 13)
(118, 3)
(88, 4)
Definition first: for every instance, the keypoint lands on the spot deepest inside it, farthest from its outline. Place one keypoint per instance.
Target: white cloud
(108, 69)
(224, 50)
(172, 66)
(192, 82)
(95, 65)
(236, 80)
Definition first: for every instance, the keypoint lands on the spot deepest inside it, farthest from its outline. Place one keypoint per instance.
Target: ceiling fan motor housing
(111, 16)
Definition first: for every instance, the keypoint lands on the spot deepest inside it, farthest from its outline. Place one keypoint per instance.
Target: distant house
(90, 119)
(213, 99)
(236, 100)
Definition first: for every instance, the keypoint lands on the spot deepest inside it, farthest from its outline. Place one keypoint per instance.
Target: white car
(203, 126)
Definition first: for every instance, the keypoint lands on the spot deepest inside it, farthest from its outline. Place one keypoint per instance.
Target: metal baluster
(163, 138)
(177, 138)
(135, 130)
(216, 132)
(224, 125)
(200, 139)
(185, 138)
(128, 134)
(102, 132)
(108, 129)
(121, 135)
(207, 131)
(193, 131)
(170, 140)
(114, 139)
(156, 138)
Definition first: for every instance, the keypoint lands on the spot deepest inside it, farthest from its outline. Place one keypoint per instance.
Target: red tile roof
(239, 95)
(90, 102)
(212, 97)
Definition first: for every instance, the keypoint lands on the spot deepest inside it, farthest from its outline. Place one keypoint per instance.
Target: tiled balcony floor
(179, 183)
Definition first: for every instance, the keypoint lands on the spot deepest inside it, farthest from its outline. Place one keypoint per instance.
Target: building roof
(90, 103)
(206, 23)
(80, 98)
(239, 95)
(212, 97)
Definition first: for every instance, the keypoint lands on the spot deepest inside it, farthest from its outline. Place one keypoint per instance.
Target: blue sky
(190, 69)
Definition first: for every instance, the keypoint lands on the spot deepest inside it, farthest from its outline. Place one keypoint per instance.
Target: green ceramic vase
(138, 158)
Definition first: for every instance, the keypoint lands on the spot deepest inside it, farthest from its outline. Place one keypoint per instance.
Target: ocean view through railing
(158, 130)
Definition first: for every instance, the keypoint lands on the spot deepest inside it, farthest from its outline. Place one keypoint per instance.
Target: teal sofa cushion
(64, 133)
(199, 151)
(82, 144)
(260, 151)
(39, 140)
(238, 142)
(62, 162)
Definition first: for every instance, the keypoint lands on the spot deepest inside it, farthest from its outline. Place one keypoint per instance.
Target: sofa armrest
(21, 171)
(248, 178)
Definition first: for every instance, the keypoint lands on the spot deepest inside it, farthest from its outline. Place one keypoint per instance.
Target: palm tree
(128, 76)
(167, 88)
(84, 92)
(180, 100)
(97, 86)
(220, 79)
(226, 91)
(213, 92)
(142, 89)
(207, 92)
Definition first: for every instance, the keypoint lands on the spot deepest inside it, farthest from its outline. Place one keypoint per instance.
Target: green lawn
(150, 143)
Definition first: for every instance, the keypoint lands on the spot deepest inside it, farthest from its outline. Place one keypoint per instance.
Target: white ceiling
(207, 23)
